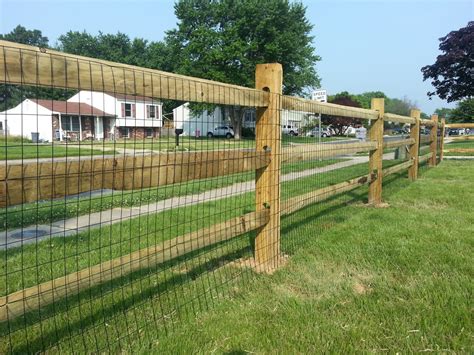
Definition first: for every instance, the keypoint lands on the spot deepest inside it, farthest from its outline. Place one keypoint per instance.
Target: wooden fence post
(434, 140)
(376, 156)
(269, 77)
(413, 153)
(443, 133)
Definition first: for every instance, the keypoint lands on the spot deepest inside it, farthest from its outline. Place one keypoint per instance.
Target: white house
(193, 125)
(52, 120)
(86, 115)
(134, 116)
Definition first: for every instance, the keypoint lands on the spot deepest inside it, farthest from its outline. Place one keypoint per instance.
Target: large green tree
(21, 35)
(223, 40)
(12, 95)
(464, 112)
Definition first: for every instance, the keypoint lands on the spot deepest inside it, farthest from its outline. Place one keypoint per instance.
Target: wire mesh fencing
(133, 199)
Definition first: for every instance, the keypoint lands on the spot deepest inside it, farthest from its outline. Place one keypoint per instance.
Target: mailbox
(177, 132)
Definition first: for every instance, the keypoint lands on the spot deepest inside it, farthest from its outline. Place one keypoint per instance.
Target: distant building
(86, 115)
(199, 124)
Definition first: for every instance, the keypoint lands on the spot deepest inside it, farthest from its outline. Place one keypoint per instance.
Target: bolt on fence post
(413, 154)
(376, 156)
(269, 77)
(443, 133)
(434, 140)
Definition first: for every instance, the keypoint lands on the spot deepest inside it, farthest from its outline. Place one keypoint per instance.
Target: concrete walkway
(71, 226)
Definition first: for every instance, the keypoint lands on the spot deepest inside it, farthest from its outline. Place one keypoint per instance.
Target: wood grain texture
(434, 140)
(442, 137)
(27, 65)
(398, 118)
(376, 156)
(413, 151)
(31, 182)
(320, 151)
(398, 143)
(269, 77)
(306, 105)
(32, 298)
(460, 125)
(298, 202)
(397, 168)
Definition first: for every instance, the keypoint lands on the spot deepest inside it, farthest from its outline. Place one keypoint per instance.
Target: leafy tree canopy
(464, 112)
(452, 74)
(31, 37)
(224, 40)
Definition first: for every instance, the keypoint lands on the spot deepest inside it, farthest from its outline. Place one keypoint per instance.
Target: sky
(372, 45)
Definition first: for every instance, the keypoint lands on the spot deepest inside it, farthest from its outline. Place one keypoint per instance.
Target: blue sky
(364, 45)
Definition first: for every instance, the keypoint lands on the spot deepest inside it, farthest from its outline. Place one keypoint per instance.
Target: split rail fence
(116, 262)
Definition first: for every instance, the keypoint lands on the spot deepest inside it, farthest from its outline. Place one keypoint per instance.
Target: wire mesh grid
(134, 198)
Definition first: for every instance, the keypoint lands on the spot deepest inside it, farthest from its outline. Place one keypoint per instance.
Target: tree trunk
(236, 113)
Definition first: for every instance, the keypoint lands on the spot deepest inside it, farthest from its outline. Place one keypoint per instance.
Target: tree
(224, 40)
(464, 112)
(444, 112)
(12, 95)
(31, 37)
(341, 123)
(452, 74)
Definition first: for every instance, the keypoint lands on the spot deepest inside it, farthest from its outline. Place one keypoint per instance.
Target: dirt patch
(361, 289)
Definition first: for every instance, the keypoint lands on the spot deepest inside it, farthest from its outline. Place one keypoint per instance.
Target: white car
(325, 132)
(289, 129)
(221, 131)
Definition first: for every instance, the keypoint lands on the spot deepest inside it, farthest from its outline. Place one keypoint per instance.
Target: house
(134, 116)
(86, 115)
(53, 120)
(200, 124)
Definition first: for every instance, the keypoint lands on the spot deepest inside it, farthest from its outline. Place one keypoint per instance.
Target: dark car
(399, 131)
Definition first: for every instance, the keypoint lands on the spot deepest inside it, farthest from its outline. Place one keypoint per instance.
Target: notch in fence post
(414, 148)
(434, 140)
(269, 77)
(376, 156)
(443, 133)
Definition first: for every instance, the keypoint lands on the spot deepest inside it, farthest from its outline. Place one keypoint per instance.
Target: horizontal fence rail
(29, 181)
(145, 206)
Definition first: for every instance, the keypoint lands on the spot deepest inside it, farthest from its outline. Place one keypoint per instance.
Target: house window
(70, 123)
(151, 111)
(149, 132)
(124, 132)
(128, 110)
(249, 117)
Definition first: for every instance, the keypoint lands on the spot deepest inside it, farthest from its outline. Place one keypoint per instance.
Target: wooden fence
(23, 182)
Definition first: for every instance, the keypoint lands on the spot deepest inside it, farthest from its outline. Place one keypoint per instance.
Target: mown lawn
(34, 151)
(358, 278)
(391, 280)
(460, 145)
(50, 211)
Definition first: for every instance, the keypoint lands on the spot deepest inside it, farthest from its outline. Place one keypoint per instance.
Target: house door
(99, 128)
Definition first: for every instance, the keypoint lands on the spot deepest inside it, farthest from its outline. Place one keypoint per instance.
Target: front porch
(75, 128)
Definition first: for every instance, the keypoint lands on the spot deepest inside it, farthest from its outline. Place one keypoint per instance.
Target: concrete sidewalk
(72, 226)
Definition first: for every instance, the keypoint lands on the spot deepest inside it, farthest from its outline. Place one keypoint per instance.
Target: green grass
(386, 280)
(359, 279)
(458, 145)
(50, 211)
(34, 151)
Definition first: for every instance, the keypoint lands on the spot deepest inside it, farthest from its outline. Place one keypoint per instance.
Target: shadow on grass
(77, 324)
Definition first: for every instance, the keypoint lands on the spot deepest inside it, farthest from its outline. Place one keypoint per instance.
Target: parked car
(456, 132)
(325, 132)
(221, 131)
(399, 131)
(289, 129)
(425, 131)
